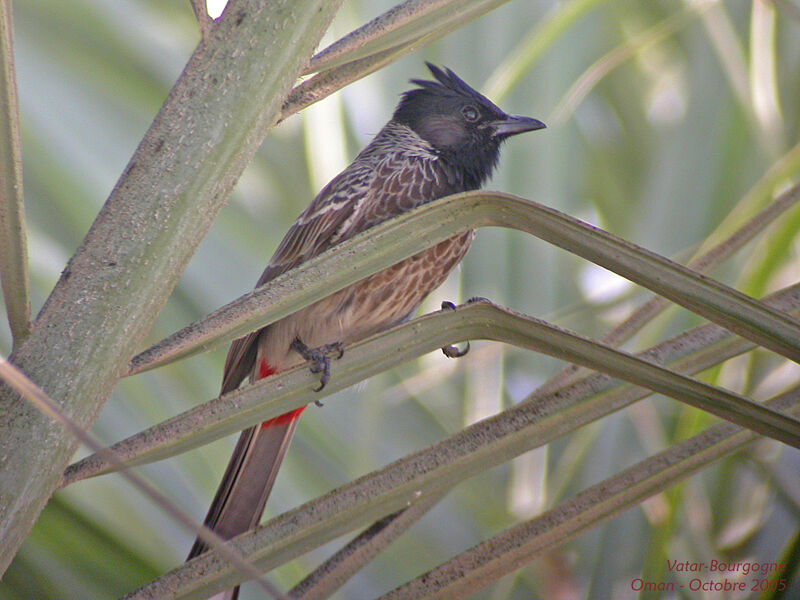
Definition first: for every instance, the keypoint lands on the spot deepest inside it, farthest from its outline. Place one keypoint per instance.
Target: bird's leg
(319, 359)
(452, 351)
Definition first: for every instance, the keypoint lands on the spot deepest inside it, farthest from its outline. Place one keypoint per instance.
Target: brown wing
(400, 183)
(363, 195)
(313, 230)
(240, 361)
(306, 238)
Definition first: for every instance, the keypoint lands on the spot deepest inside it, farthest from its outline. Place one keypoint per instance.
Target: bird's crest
(447, 83)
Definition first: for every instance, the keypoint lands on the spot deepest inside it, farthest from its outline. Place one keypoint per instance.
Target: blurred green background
(658, 152)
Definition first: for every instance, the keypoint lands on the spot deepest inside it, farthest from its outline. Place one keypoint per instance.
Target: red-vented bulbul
(443, 138)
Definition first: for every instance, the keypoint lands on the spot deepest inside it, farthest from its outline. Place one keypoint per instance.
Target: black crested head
(464, 127)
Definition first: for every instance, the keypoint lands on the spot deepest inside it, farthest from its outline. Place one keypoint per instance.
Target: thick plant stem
(208, 129)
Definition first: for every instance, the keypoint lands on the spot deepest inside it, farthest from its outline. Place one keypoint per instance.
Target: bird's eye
(470, 113)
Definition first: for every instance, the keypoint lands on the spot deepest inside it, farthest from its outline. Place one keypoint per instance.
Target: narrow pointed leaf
(461, 576)
(430, 471)
(286, 391)
(13, 242)
(399, 238)
(399, 26)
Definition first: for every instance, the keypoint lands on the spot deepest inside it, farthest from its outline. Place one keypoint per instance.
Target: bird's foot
(320, 359)
(452, 351)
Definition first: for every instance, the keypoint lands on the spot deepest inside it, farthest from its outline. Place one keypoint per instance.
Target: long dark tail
(248, 480)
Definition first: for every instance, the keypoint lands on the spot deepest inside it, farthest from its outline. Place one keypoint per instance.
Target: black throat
(470, 168)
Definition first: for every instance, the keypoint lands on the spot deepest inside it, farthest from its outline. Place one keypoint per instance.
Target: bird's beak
(512, 125)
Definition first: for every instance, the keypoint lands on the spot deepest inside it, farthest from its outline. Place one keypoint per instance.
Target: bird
(443, 138)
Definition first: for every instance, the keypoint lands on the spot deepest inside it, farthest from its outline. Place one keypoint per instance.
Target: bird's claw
(452, 351)
(319, 359)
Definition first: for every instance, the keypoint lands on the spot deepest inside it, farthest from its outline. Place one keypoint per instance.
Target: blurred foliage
(658, 152)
